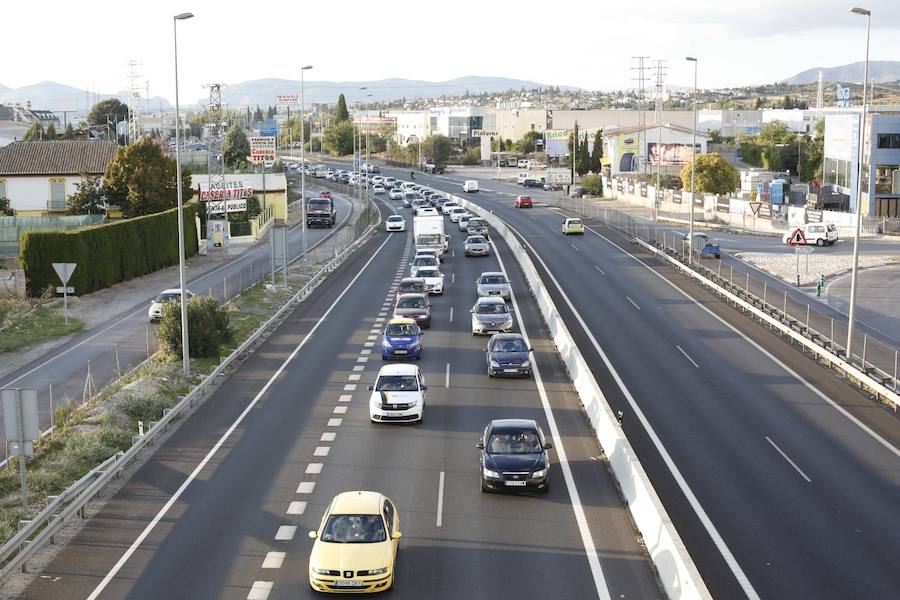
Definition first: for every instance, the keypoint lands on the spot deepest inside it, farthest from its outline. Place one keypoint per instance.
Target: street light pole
(185, 349)
(693, 165)
(859, 186)
(303, 162)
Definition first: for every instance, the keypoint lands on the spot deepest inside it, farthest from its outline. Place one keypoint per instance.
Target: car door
(392, 522)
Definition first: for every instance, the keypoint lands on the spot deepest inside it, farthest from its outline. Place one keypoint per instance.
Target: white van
(521, 177)
(523, 163)
(813, 233)
(470, 185)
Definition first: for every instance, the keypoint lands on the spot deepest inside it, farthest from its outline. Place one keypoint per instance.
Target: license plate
(510, 370)
(493, 293)
(514, 483)
(348, 583)
(400, 351)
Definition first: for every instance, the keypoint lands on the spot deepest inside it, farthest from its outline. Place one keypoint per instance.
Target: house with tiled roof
(38, 177)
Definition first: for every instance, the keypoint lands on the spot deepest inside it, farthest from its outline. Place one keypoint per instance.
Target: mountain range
(879, 70)
(58, 97)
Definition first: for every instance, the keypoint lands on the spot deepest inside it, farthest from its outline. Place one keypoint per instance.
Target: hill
(879, 70)
(49, 95)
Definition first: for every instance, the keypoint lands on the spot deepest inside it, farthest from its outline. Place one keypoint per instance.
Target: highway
(65, 367)
(782, 480)
(222, 508)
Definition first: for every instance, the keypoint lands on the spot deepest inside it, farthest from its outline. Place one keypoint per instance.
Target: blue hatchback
(402, 339)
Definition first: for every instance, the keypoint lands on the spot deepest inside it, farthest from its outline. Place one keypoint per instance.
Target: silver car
(476, 245)
(492, 283)
(491, 315)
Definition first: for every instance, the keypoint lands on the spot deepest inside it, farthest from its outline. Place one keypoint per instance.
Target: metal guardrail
(42, 528)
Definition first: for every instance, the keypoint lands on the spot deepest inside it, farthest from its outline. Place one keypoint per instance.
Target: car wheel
(820, 242)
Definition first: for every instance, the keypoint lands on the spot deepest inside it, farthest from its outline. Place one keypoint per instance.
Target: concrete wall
(595, 119)
(29, 195)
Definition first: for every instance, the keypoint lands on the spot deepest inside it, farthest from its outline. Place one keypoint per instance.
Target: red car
(325, 194)
(524, 202)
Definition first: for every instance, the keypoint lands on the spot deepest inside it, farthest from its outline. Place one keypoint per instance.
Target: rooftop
(56, 157)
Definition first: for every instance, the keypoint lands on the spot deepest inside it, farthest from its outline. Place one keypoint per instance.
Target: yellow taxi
(573, 226)
(356, 544)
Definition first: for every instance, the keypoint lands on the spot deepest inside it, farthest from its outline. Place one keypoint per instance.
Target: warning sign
(797, 238)
(754, 206)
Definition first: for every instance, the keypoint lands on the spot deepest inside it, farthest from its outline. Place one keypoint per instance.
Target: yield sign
(64, 271)
(797, 238)
(754, 206)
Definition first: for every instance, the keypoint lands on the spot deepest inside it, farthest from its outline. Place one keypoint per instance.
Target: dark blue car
(402, 339)
(508, 354)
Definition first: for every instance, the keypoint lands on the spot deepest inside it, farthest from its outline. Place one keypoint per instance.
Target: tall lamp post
(185, 349)
(693, 165)
(859, 186)
(358, 136)
(303, 162)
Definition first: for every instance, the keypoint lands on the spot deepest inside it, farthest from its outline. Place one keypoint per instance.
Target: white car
(819, 234)
(491, 315)
(470, 185)
(398, 394)
(171, 295)
(427, 211)
(395, 194)
(457, 212)
(429, 252)
(421, 260)
(464, 221)
(378, 189)
(446, 207)
(378, 180)
(395, 223)
(434, 279)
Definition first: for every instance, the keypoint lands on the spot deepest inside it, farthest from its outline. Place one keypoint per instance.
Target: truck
(320, 212)
(428, 232)
(434, 169)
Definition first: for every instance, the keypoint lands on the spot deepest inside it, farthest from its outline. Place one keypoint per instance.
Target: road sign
(268, 131)
(797, 238)
(20, 424)
(755, 206)
(484, 133)
(65, 289)
(64, 271)
(262, 148)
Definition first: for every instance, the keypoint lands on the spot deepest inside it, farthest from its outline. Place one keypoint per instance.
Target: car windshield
(411, 303)
(400, 329)
(509, 345)
(353, 529)
(323, 204)
(475, 222)
(395, 218)
(397, 383)
(457, 210)
(492, 308)
(409, 196)
(168, 297)
(475, 240)
(493, 279)
(428, 273)
(422, 261)
(519, 442)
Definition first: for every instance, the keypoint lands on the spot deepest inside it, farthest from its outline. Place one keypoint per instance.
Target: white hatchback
(398, 394)
(395, 223)
(154, 313)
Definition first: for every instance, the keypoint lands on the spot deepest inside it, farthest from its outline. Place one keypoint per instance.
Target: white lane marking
(340, 410)
(335, 422)
(314, 468)
(369, 344)
(440, 505)
(383, 313)
(285, 533)
(350, 387)
(260, 590)
(321, 450)
(600, 270)
(359, 367)
(345, 398)
(371, 337)
(451, 314)
(687, 356)
(787, 458)
(587, 539)
(692, 499)
(362, 359)
(328, 436)
(375, 330)
(273, 560)
(366, 351)
(865, 428)
(296, 508)
(452, 280)
(575, 248)
(354, 377)
(190, 478)
(633, 303)
(447, 376)
(306, 487)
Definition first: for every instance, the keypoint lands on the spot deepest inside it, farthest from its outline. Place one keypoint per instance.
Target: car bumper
(509, 371)
(401, 353)
(395, 228)
(531, 485)
(488, 330)
(409, 415)
(366, 585)
(476, 252)
(489, 294)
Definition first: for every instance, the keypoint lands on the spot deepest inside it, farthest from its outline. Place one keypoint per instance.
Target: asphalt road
(795, 471)
(65, 367)
(293, 437)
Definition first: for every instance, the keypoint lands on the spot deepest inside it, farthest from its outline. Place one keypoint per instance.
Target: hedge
(107, 254)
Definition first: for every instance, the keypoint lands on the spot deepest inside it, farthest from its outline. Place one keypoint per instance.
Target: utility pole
(660, 90)
(642, 115)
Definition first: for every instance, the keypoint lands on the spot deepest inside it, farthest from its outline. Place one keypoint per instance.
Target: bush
(107, 254)
(145, 409)
(209, 328)
(592, 184)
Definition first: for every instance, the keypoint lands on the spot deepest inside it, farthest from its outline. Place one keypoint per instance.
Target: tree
(50, 133)
(69, 133)
(5, 210)
(787, 103)
(34, 133)
(89, 198)
(342, 113)
(715, 175)
(527, 143)
(593, 185)
(812, 151)
(715, 136)
(597, 153)
(141, 179)
(209, 328)
(236, 147)
(113, 108)
(339, 138)
(258, 114)
(437, 148)
(583, 157)
(758, 105)
(774, 132)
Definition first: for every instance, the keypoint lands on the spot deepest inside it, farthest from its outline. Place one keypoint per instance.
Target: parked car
(154, 313)
(508, 354)
(514, 457)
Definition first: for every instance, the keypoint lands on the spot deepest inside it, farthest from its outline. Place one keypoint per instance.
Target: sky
(583, 43)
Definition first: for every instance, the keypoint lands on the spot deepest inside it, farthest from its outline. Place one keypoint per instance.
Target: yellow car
(355, 545)
(573, 226)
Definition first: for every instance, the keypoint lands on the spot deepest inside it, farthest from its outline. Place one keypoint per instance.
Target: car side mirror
(313, 534)
(472, 310)
(396, 535)
(486, 349)
(548, 446)
(479, 446)
(424, 387)
(371, 387)
(531, 349)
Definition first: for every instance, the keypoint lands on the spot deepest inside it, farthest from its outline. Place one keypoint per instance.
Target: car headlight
(526, 364)
(318, 571)
(539, 474)
(495, 364)
(489, 473)
(385, 344)
(412, 403)
(376, 571)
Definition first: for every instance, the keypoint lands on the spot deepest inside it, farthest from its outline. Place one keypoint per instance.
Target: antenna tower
(134, 100)
(641, 79)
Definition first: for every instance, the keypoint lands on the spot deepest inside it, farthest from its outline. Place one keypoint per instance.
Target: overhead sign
(797, 238)
(223, 206)
(484, 133)
(262, 148)
(229, 190)
(64, 271)
(287, 101)
(754, 206)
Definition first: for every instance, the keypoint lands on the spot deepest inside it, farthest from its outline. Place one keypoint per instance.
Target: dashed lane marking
(335, 422)
(313, 468)
(328, 436)
(306, 487)
(340, 410)
(285, 533)
(296, 508)
(321, 450)
(273, 560)
(260, 590)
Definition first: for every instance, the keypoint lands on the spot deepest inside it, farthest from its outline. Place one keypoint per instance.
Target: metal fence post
(895, 370)
(807, 318)
(731, 275)
(51, 405)
(784, 310)
(148, 340)
(747, 285)
(225, 290)
(719, 274)
(832, 333)
(865, 341)
(118, 368)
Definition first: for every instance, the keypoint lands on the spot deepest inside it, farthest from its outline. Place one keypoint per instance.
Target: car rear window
(493, 279)
(411, 286)
(411, 303)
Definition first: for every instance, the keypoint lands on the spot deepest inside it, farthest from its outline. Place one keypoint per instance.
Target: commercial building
(455, 122)
(512, 124)
(623, 148)
(412, 126)
(606, 119)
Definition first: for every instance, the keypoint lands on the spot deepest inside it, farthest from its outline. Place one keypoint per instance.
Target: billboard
(287, 101)
(230, 190)
(672, 154)
(262, 148)
(217, 207)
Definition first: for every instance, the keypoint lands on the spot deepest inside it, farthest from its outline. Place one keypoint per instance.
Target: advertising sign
(842, 95)
(262, 148)
(485, 147)
(222, 206)
(484, 133)
(230, 190)
(287, 101)
(765, 211)
(672, 154)
(216, 236)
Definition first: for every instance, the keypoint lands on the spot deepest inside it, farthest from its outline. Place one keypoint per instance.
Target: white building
(412, 126)
(38, 177)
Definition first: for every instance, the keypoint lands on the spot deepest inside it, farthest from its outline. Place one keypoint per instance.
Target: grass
(42, 324)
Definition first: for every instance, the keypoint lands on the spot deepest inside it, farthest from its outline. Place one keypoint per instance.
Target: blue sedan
(402, 339)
